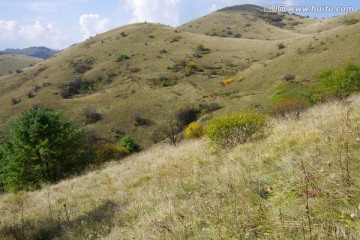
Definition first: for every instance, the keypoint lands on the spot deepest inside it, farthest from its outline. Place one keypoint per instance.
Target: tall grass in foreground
(301, 182)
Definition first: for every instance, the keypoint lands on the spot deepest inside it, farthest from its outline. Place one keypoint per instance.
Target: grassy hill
(300, 182)
(140, 69)
(10, 63)
(247, 21)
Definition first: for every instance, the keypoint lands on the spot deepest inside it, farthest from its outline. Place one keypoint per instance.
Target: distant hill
(39, 52)
(10, 63)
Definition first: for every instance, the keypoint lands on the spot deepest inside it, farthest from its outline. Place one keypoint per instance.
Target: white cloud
(92, 24)
(32, 31)
(163, 11)
(42, 34)
(7, 29)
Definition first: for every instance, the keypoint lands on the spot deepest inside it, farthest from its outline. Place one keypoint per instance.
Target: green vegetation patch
(342, 82)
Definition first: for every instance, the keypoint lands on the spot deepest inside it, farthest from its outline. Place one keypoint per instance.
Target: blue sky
(58, 24)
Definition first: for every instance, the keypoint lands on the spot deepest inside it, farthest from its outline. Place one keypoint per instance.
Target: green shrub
(165, 81)
(341, 83)
(233, 129)
(122, 57)
(129, 143)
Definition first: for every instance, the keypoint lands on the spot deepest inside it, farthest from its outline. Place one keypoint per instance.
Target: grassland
(300, 182)
(125, 87)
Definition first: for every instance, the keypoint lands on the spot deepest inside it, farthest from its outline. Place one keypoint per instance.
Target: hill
(38, 52)
(152, 70)
(301, 181)
(247, 21)
(11, 63)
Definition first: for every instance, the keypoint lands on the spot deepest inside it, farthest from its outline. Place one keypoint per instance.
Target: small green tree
(233, 129)
(129, 143)
(41, 148)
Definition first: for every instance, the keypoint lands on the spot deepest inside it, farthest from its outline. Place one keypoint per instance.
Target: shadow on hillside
(94, 224)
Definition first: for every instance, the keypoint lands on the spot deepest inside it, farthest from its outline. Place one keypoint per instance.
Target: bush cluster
(78, 85)
(233, 129)
(82, 65)
(165, 81)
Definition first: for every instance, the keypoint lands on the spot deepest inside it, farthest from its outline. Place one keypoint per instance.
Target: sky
(59, 24)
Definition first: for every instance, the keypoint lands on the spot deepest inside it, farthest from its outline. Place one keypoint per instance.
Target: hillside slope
(258, 190)
(140, 69)
(9, 63)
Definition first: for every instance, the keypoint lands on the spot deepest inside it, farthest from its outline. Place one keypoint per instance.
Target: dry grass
(257, 190)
